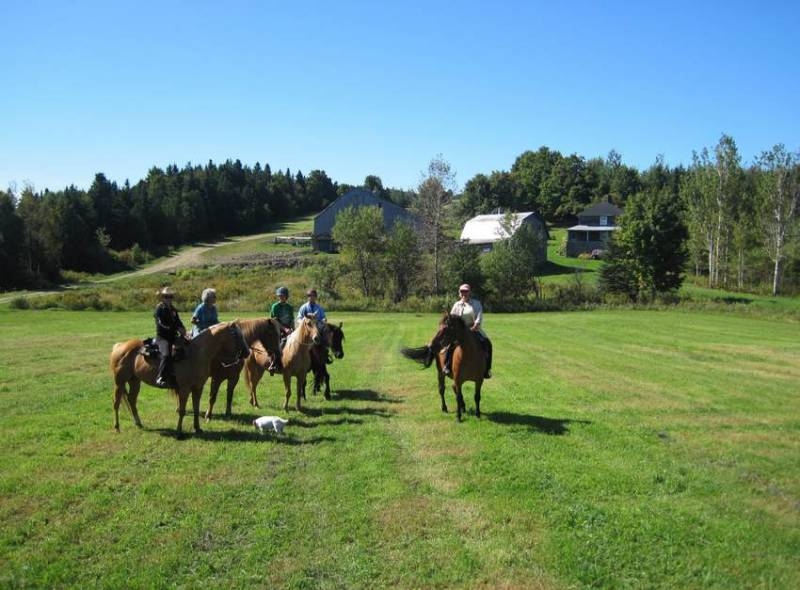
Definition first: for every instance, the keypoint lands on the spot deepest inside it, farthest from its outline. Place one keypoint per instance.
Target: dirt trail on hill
(189, 257)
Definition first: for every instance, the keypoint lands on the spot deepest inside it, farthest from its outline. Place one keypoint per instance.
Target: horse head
(236, 348)
(336, 338)
(451, 329)
(309, 333)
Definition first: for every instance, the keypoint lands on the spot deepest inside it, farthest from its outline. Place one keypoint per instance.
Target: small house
(593, 232)
(322, 237)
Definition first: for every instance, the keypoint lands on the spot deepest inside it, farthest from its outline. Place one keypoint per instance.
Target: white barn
(485, 230)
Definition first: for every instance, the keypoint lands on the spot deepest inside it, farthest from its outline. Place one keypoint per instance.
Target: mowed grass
(617, 449)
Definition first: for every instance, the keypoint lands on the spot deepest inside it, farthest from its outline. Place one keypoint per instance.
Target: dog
(267, 423)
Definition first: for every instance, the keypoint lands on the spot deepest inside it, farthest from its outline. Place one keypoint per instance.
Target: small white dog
(266, 423)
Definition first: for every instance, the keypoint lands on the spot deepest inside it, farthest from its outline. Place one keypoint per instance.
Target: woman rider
(470, 311)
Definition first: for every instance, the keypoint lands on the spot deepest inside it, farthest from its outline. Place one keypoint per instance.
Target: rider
(168, 328)
(205, 314)
(470, 311)
(313, 310)
(282, 311)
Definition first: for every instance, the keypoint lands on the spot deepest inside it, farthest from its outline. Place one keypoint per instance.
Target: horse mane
(260, 329)
(295, 339)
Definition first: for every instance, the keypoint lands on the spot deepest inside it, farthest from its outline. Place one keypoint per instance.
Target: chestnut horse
(296, 358)
(264, 330)
(468, 363)
(333, 339)
(131, 368)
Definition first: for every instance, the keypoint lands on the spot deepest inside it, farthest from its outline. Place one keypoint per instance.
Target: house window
(603, 220)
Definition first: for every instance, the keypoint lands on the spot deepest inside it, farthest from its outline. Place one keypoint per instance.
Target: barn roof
(487, 229)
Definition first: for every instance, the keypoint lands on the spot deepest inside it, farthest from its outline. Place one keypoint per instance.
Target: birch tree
(434, 193)
(779, 191)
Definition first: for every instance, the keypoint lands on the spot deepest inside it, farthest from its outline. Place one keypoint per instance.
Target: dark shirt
(167, 322)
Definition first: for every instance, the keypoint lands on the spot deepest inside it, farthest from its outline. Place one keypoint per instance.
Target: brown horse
(333, 339)
(131, 368)
(468, 364)
(263, 330)
(296, 358)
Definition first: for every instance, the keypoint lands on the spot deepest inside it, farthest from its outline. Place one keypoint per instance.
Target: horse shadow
(345, 411)
(366, 395)
(552, 426)
(242, 436)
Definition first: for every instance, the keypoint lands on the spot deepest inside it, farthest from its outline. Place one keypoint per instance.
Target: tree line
(741, 228)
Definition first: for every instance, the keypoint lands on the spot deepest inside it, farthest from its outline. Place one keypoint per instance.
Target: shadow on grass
(555, 426)
(345, 411)
(242, 436)
(366, 395)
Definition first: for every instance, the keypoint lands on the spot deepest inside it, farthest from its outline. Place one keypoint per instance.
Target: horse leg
(182, 399)
(232, 381)
(252, 375)
(327, 377)
(133, 395)
(287, 385)
(440, 376)
(196, 393)
(119, 392)
(478, 384)
(459, 399)
(301, 391)
(212, 395)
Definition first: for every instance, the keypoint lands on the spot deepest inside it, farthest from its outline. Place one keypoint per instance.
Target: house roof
(603, 208)
(487, 229)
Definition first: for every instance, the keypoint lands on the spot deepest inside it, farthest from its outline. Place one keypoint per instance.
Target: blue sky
(358, 88)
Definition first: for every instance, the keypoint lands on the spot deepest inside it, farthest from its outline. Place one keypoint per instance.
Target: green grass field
(617, 450)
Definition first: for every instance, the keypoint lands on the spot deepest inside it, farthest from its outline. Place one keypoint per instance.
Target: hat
(166, 291)
(311, 292)
(464, 287)
(282, 291)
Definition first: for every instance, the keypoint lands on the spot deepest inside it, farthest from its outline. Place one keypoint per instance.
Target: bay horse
(130, 369)
(263, 330)
(468, 363)
(296, 358)
(333, 335)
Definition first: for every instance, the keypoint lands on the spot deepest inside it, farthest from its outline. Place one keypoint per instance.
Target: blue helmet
(282, 291)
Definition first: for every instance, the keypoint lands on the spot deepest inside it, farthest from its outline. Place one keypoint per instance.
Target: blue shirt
(313, 308)
(206, 316)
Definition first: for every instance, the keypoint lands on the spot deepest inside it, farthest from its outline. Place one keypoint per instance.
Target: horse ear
(340, 324)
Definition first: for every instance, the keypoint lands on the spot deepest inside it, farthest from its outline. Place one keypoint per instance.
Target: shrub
(19, 303)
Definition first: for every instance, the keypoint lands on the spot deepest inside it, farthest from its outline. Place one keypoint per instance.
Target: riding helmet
(282, 291)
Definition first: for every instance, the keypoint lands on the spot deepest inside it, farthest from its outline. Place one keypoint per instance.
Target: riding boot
(164, 371)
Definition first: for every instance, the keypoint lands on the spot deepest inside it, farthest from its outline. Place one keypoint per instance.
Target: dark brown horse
(191, 373)
(261, 330)
(468, 364)
(333, 340)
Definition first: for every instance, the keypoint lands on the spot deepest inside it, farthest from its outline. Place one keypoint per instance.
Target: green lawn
(617, 449)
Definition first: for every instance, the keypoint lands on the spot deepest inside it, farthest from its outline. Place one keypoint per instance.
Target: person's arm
(477, 308)
(196, 314)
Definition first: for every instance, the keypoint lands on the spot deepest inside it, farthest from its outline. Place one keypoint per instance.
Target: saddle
(149, 349)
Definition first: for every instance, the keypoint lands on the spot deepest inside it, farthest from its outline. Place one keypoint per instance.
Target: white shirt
(471, 313)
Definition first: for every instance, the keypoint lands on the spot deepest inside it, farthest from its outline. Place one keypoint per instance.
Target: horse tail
(421, 354)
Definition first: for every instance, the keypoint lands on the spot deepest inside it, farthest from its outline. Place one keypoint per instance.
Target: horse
(131, 368)
(264, 330)
(296, 358)
(468, 363)
(334, 336)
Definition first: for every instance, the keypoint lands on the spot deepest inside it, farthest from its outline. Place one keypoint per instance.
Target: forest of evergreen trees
(729, 209)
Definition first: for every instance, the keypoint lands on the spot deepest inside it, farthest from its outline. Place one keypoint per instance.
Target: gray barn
(322, 238)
